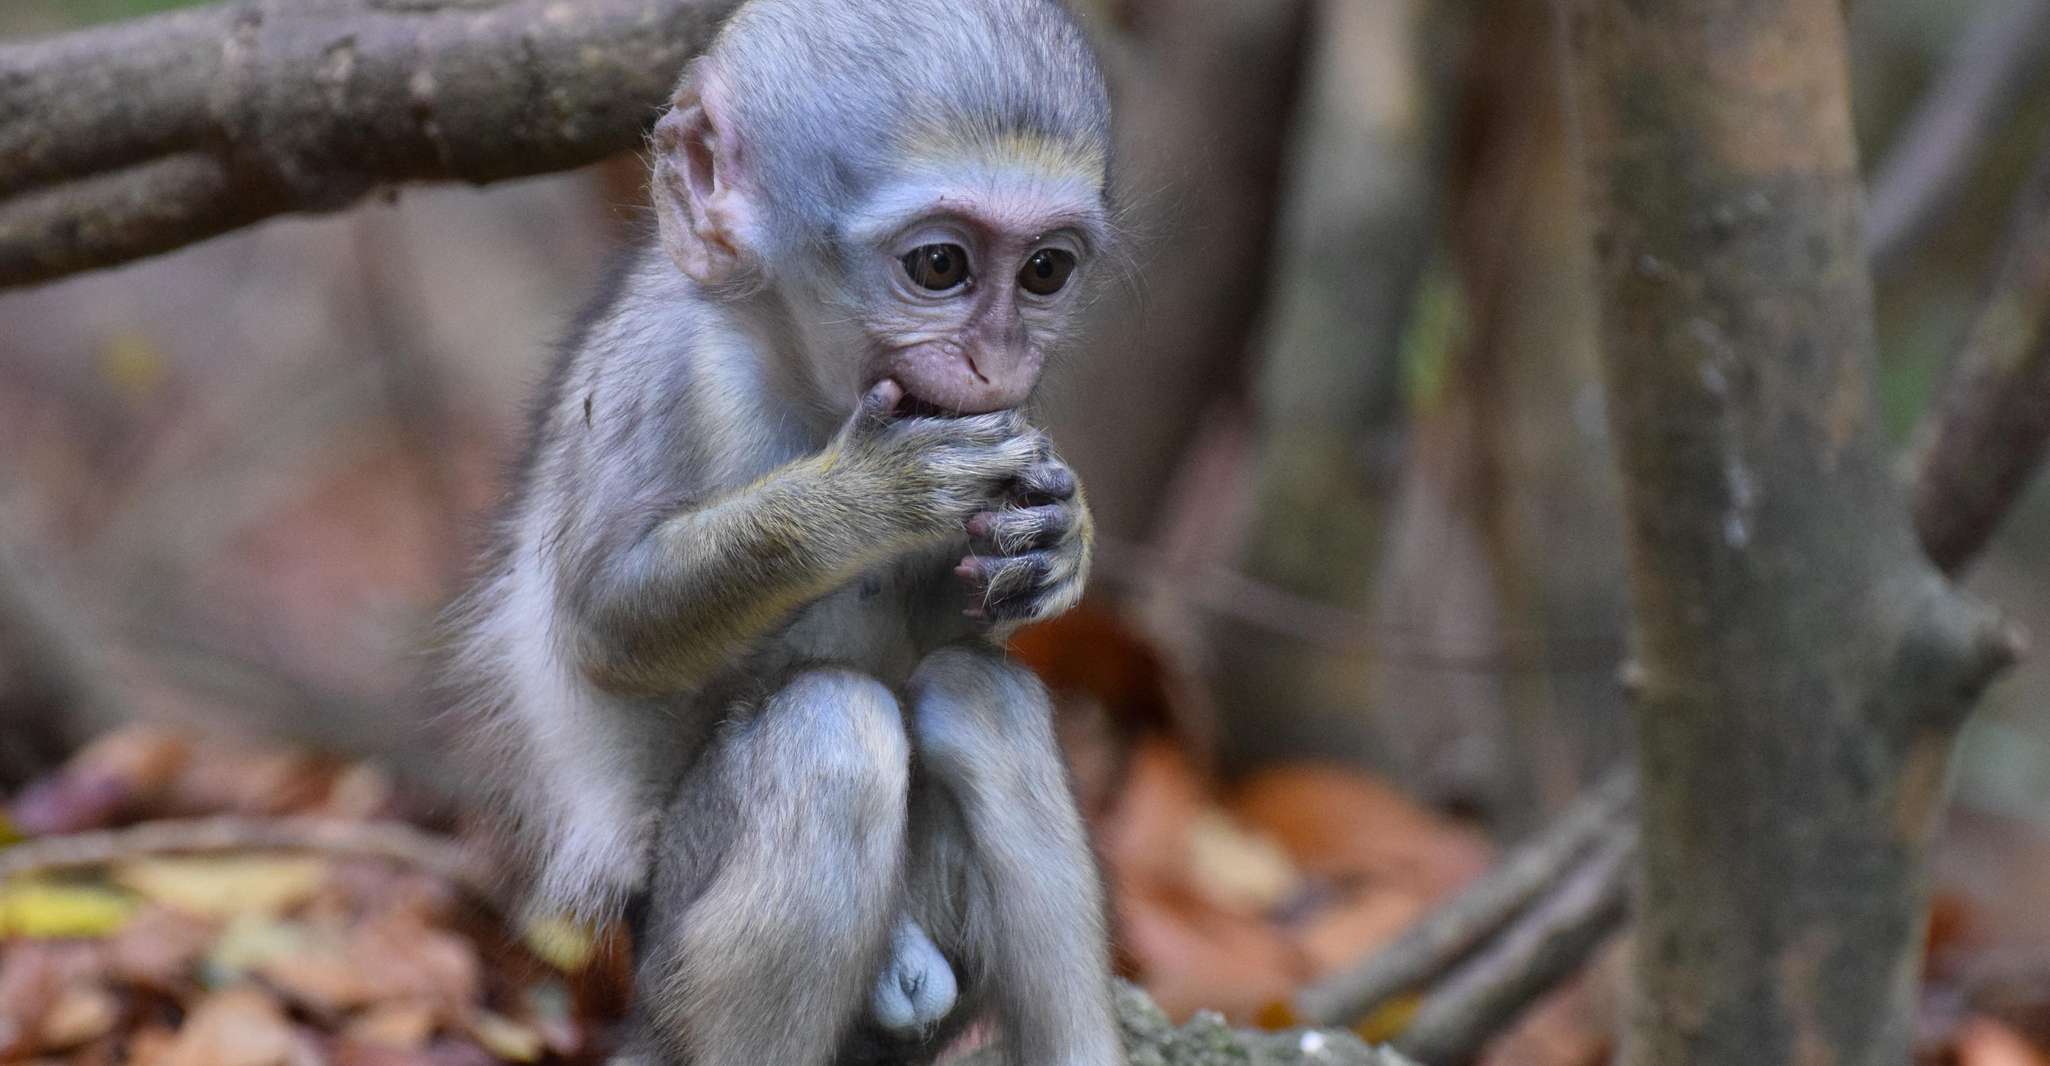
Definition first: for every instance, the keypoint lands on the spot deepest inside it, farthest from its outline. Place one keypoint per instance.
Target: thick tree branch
(1985, 441)
(1802, 663)
(141, 136)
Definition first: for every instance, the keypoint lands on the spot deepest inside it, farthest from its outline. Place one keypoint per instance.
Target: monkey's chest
(882, 622)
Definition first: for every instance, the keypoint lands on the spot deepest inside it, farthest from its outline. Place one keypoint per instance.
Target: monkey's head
(917, 187)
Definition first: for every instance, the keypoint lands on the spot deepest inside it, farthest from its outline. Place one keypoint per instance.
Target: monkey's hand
(1031, 552)
(927, 476)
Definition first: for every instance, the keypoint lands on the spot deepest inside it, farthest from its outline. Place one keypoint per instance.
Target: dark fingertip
(882, 399)
(976, 613)
(1055, 484)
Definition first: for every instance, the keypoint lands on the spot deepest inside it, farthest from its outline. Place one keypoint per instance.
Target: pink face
(979, 284)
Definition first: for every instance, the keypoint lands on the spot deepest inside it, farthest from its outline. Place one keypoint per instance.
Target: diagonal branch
(1919, 178)
(130, 139)
(1992, 426)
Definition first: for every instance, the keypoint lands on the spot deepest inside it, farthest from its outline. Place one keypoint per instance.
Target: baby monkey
(735, 658)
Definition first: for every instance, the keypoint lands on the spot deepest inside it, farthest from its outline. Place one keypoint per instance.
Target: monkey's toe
(916, 988)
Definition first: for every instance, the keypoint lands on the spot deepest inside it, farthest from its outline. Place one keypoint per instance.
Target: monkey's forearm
(706, 582)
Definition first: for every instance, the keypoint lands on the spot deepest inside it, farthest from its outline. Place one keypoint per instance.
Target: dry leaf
(239, 1026)
(506, 1038)
(404, 1026)
(35, 974)
(160, 948)
(82, 1013)
(1191, 954)
(221, 886)
(1982, 1041)
(1237, 868)
(1346, 825)
(1145, 838)
(1340, 934)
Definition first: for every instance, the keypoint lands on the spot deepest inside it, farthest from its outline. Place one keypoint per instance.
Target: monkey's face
(963, 289)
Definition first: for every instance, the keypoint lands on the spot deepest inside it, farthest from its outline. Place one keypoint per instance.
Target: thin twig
(1490, 990)
(1992, 425)
(441, 856)
(1433, 946)
(1933, 154)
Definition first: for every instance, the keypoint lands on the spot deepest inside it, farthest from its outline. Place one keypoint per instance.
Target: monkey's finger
(1015, 529)
(1050, 480)
(877, 407)
(1000, 578)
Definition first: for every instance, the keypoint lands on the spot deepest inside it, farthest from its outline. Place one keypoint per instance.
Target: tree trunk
(1803, 668)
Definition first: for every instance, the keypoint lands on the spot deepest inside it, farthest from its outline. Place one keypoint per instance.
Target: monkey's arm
(705, 582)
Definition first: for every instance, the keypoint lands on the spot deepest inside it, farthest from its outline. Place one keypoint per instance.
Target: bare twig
(444, 857)
(1432, 947)
(1487, 992)
(126, 140)
(1993, 424)
(1919, 177)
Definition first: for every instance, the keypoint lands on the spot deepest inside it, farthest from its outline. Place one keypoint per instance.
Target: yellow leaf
(251, 940)
(223, 887)
(1387, 1023)
(505, 1038)
(45, 909)
(8, 833)
(560, 942)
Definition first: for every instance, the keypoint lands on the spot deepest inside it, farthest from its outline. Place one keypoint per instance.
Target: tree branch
(131, 139)
(444, 857)
(1941, 140)
(1993, 424)
(1490, 990)
(1431, 947)
(1986, 439)
(1803, 665)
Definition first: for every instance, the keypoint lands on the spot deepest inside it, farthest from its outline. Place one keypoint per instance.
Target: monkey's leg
(1006, 881)
(777, 880)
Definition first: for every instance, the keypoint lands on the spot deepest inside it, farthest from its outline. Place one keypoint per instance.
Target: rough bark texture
(1803, 666)
(138, 137)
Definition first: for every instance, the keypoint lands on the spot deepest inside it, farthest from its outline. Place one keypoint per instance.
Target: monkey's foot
(916, 988)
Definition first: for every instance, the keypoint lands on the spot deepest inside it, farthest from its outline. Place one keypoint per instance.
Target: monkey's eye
(1047, 271)
(938, 267)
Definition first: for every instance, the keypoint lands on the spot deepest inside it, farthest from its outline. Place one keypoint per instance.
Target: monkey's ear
(701, 199)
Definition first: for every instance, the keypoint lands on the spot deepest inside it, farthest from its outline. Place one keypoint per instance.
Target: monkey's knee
(837, 736)
(971, 707)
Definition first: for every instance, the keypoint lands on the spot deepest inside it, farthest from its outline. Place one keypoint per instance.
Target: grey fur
(718, 651)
